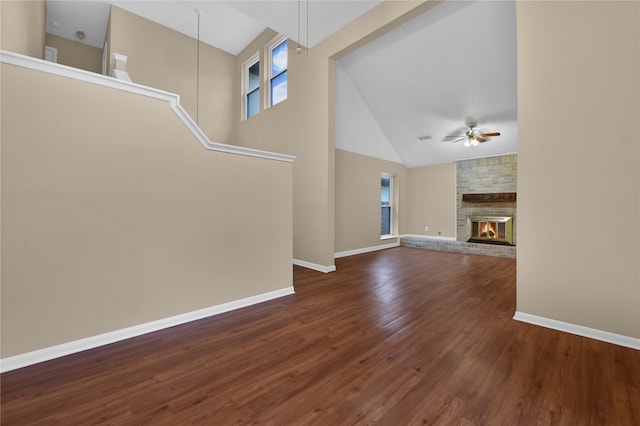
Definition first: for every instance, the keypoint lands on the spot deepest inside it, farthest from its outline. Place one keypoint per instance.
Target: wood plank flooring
(397, 337)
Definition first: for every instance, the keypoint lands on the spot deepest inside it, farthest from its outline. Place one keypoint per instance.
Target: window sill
(388, 237)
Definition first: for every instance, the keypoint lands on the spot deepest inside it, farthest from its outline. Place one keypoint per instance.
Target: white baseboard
(428, 237)
(314, 266)
(605, 336)
(46, 354)
(366, 250)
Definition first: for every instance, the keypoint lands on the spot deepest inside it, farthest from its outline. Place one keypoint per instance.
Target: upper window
(277, 54)
(252, 87)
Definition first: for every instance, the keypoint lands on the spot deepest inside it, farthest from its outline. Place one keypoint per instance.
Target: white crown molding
(605, 336)
(365, 250)
(314, 266)
(173, 99)
(428, 237)
(46, 354)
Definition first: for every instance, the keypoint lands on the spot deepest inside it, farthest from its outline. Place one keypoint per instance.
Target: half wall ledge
(458, 246)
(28, 62)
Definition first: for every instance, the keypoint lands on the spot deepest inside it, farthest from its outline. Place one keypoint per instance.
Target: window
(252, 87)
(386, 203)
(277, 54)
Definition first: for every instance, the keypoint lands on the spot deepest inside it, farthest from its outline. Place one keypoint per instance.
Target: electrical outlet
(426, 228)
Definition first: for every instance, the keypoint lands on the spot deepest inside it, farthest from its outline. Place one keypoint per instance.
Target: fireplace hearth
(490, 229)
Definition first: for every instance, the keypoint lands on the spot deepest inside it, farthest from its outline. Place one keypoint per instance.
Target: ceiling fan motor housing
(471, 133)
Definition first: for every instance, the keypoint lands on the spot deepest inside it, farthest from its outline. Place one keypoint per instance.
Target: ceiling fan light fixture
(471, 137)
(471, 141)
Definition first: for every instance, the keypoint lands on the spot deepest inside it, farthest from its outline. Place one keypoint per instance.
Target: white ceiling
(453, 65)
(64, 18)
(432, 76)
(228, 25)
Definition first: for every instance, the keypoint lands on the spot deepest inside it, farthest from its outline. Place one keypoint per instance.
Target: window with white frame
(386, 204)
(277, 53)
(252, 86)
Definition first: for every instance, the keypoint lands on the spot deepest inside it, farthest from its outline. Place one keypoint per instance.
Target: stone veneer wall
(485, 175)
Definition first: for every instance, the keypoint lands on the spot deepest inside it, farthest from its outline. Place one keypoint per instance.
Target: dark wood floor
(397, 337)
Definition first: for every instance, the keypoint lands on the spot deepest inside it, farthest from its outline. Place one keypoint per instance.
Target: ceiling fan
(471, 137)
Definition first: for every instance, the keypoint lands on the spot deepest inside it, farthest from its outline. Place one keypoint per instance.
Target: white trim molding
(605, 336)
(46, 354)
(314, 266)
(115, 59)
(173, 99)
(366, 250)
(121, 75)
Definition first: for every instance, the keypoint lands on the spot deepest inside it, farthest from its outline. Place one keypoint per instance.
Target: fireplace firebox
(490, 229)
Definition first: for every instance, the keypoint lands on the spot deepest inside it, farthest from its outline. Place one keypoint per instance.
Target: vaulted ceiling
(431, 77)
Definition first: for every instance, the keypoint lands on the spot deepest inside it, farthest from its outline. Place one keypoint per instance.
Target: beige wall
(75, 54)
(431, 200)
(165, 59)
(115, 215)
(579, 163)
(273, 129)
(22, 29)
(357, 206)
(303, 126)
(423, 196)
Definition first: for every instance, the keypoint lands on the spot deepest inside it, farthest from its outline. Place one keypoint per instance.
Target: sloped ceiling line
(357, 130)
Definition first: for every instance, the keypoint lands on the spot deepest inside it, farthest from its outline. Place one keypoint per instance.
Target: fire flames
(487, 230)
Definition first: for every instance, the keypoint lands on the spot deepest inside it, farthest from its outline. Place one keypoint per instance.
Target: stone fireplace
(487, 188)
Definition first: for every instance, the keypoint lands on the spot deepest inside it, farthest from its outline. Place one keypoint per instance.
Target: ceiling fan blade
(479, 139)
(489, 135)
(449, 138)
(460, 138)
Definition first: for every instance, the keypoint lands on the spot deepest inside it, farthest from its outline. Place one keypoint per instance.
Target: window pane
(385, 225)
(279, 88)
(254, 76)
(385, 192)
(279, 58)
(385, 201)
(253, 103)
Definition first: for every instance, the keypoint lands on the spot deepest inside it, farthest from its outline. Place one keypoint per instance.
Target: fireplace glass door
(485, 229)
